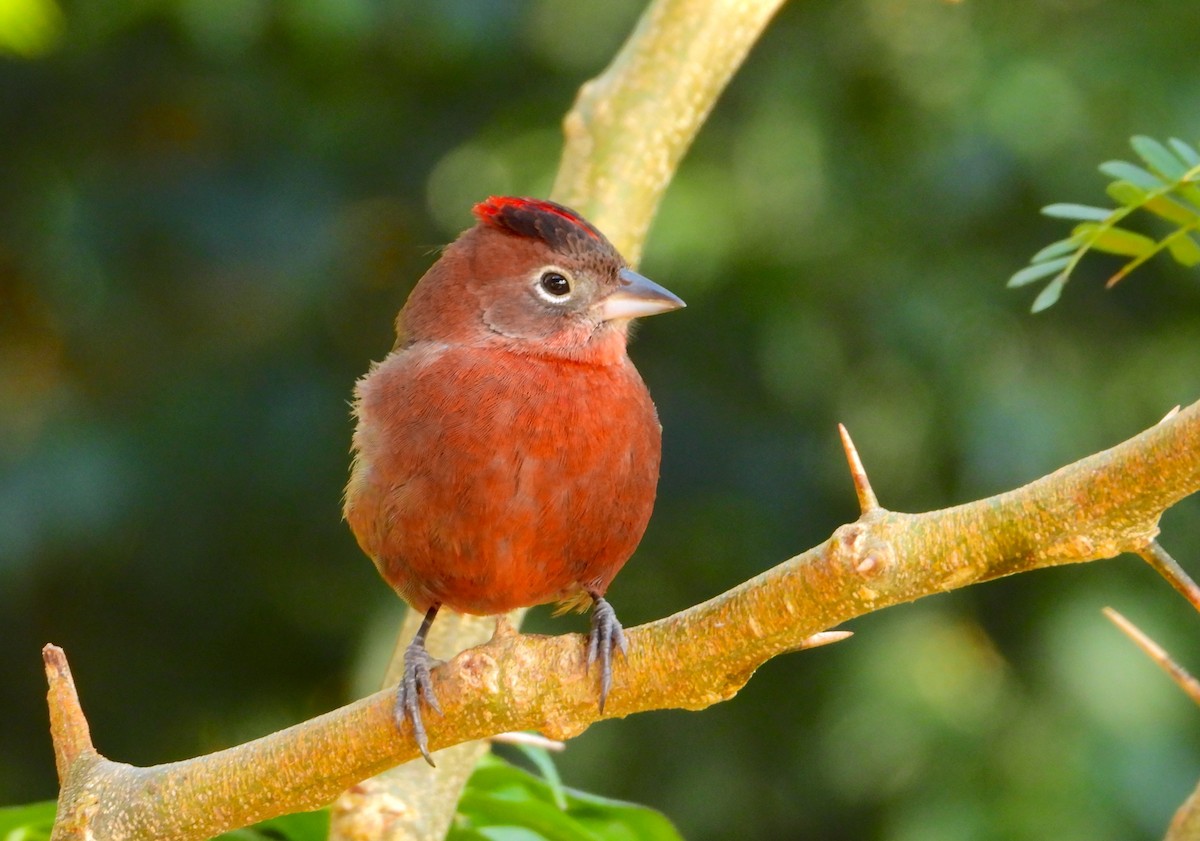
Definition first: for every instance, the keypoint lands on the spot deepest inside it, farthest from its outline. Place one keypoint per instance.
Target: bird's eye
(554, 285)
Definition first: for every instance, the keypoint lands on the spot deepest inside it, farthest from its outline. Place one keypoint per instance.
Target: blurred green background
(211, 209)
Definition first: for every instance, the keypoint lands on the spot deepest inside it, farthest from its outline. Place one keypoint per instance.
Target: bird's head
(533, 276)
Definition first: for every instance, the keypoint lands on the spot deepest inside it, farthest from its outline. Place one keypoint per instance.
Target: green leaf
(1134, 197)
(1056, 249)
(617, 821)
(1050, 295)
(505, 833)
(1076, 211)
(1170, 190)
(1189, 193)
(484, 809)
(1184, 250)
(508, 803)
(541, 759)
(1037, 271)
(1186, 153)
(32, 822)
(1125, 171)
(1115, 240)
(1173, 211)
(1126, 193)
(466, 834)
(1159, 157)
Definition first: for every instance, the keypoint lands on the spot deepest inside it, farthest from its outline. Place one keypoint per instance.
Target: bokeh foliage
(212, 208)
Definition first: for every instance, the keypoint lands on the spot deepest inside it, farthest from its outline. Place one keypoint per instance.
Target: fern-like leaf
(1166, 188)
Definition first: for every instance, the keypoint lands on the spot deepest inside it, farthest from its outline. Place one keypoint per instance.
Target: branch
(1186, 822)
(1169, 568)
(1095, 508)
(1158, 654)
(633, 123)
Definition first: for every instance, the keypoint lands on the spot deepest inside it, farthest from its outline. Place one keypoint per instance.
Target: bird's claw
(414, 686)
(605, 636)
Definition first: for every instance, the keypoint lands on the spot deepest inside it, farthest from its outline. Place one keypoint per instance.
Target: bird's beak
(637, 297)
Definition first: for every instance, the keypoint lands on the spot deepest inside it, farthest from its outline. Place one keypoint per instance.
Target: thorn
(862, 485)
(1156, 653)
(1168, 568)
(524, 737)
(68, 727)
(1169, 415)
(824, 638)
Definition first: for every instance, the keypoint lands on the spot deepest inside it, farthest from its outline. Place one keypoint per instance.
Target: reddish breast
(511, 480)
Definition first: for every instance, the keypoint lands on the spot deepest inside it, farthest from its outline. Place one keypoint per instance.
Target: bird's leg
(416, 684)
(606, 634)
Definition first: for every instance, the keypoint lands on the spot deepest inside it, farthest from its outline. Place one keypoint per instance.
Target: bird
(506, 451)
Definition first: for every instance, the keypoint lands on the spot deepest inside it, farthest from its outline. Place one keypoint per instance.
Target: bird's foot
(415, 685)
(605, 637)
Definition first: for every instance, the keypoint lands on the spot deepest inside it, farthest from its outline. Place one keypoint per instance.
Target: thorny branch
(1095, 508)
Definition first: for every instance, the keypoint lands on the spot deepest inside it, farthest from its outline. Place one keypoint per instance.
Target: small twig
(1157, 653)
(631, 125)
(867, 501)
(1169, 568)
